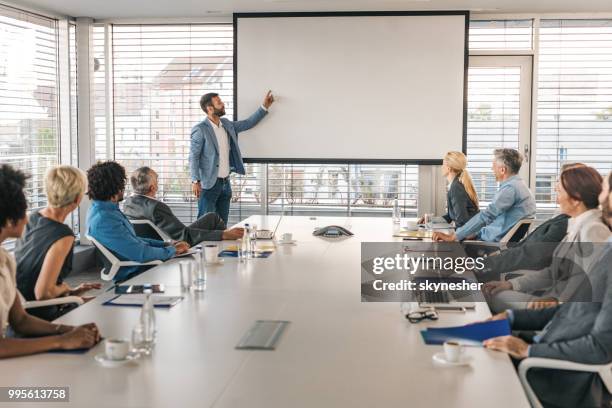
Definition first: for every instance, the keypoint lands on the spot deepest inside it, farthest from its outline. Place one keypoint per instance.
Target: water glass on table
(186, 268)
(199, 275)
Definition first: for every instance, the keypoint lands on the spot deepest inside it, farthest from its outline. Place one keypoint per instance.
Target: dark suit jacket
(534, 252)
(210, 227)
(459, 205)
(575, 331)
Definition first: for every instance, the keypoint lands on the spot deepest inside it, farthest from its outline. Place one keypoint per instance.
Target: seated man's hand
(494, 287)
(542, 303)
(84, 287)
(514, 346)
(181, 247)
(233, 233)
(441, 236)
(500, 316)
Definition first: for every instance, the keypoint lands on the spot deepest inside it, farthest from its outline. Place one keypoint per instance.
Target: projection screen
(352, 87)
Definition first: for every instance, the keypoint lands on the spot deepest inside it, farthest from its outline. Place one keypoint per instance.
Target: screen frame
(465, 13)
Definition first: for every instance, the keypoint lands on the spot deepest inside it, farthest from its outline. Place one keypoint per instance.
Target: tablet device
(136, 289)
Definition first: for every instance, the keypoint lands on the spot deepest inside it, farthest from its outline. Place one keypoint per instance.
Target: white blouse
(8, 287)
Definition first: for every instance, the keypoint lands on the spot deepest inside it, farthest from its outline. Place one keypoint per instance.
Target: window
(356, 189)
(501, 35)
(574, 100)
(29, 128)
(493, 121)
(102, 142)
(159, 74)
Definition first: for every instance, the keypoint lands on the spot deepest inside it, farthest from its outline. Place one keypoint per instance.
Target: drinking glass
(186, 275)
(139, 342)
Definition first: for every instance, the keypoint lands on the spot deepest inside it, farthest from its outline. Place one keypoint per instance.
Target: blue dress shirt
(110, 227)
(512, 202)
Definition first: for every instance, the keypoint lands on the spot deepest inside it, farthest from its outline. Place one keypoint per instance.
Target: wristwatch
(195, 181)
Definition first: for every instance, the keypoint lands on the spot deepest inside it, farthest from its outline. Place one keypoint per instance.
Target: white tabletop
(337, 351)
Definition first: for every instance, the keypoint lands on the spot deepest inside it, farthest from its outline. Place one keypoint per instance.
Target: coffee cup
(411, 225)
(287, 237)
(452, 351)
(211, 253)
(116, 349)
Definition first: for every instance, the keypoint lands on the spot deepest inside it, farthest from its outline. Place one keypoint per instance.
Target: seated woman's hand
(85, 336)
(84, 287)
(542, 303)
(494, 287)
(181, 247)
(441, 236)
(514, 346)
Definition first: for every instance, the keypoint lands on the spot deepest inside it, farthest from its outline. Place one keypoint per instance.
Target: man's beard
(219, 112)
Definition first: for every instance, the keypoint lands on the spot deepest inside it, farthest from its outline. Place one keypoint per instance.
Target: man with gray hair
(512, 202)
(143, 205)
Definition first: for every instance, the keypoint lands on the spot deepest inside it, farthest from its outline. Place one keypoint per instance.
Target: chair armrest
(538, 362)
(133, 263)
(33, 304)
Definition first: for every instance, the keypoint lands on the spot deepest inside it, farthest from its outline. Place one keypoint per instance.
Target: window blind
(355, 189)
(574, 100)
(493, 121)
(29, 131)
(501, 34)
(159, 74)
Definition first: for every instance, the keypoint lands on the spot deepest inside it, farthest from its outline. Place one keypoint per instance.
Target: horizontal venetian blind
(159, 74)
(493, 121)
(574, 100)
(29, 131)
(329, 189)
(501, 35)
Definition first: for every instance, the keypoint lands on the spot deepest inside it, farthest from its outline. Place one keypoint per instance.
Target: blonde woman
(461, 199)
(44, 254)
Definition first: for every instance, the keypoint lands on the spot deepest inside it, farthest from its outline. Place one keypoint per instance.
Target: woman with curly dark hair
(111, 228)
(46, 336)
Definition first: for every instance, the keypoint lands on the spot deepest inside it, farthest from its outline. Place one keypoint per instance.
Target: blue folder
(471, 334)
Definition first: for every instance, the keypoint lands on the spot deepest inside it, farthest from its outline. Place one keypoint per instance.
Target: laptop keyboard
(432, 297)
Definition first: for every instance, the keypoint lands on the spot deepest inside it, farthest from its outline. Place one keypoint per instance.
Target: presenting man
(214, 154)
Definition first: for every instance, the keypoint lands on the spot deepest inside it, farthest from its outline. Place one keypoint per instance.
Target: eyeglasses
(415, 317)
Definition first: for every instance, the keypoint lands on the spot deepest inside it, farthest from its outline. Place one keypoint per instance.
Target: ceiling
(205, 8)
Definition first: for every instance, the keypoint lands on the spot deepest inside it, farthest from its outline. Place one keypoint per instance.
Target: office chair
(514, 235)
(604, 371)
(146, 229)
(112, 263)
(64, 300)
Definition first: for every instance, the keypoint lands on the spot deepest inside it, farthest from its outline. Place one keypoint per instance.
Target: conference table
(337, 351)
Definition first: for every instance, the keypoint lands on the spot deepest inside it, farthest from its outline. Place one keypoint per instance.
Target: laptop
(445, 300)
(267, 234)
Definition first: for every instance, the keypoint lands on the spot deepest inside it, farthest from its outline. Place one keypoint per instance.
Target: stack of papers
(470, 334)
(421, 233)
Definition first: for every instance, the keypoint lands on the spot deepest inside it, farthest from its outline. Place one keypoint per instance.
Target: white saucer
(440, 358)
(292, 242)
(102, 359)
(219, 261)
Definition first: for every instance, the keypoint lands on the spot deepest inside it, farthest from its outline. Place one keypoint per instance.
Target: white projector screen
(384, 87)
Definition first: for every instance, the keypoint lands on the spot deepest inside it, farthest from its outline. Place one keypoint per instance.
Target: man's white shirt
(224, 147)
